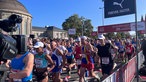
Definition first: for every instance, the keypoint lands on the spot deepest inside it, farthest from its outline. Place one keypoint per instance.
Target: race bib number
(121, 50)
(105, 60)
(83, 55)
(16, 80)
(128, 50)
(78, 62)
(69, 54)
(38, 62)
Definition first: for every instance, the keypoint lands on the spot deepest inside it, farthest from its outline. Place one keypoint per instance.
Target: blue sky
(54, 12)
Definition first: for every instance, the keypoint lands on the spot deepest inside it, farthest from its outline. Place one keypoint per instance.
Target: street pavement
(75, 78)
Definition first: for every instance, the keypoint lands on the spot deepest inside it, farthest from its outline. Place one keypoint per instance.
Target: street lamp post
(102, 8)
(83, 27)
(82, 19)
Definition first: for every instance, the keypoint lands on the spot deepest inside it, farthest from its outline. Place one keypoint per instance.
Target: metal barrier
(127, 72)
(141, 59)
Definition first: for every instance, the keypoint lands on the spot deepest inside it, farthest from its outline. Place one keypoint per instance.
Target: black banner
(113, 8)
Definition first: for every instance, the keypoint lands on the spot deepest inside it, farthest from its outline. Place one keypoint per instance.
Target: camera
(8, 49)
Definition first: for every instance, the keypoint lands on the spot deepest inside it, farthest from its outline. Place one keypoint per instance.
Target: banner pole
(137, 72)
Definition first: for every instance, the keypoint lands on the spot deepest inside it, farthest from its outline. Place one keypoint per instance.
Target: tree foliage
(140, 35)
(77, 22)
(110, 35)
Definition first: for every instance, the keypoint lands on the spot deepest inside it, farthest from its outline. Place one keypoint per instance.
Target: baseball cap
(101, 36)
(38, 44)
(84, 37)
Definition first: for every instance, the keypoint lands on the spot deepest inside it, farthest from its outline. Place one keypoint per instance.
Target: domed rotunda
(8, 7)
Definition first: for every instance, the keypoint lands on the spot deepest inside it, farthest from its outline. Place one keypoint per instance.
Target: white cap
(101, 36)
(38, 44)
(78, 39)
(84, 37)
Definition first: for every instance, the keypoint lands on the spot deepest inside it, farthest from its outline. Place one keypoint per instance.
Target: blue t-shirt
(70, 51)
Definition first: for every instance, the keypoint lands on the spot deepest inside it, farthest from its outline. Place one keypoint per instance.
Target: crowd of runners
(49, 57)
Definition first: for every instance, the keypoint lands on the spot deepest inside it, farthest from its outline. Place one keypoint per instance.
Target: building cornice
(15, 11)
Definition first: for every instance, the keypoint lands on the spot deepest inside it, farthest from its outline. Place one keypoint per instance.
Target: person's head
(96, 41)
(71, 40)
(58, 42)
(44, 40)
(78, 41)
(68, 43)
(117, 40)
(53, 45)
(128, 42)
(83, 40)
(63, 43)
(121, 42)
(101, 39)
(39, 46)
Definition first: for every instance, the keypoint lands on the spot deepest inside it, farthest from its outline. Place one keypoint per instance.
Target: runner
(57, 57)
(70, 57)
(129, 49)
(104, 52)
(42, 59)
(78, 51)
(61, 46)
(121, 51)
(21, 68)
(87, 60)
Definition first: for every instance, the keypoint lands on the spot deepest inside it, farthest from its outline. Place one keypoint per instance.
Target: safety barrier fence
(126, 72)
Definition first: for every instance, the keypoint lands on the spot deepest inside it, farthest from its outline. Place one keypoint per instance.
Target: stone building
(8, 7)
(39, 31)
(54, 32)
(49, 32)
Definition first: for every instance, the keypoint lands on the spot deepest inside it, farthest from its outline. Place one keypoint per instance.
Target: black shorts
(70, 60)
(40, 75)
(79, 66)
(106, 69)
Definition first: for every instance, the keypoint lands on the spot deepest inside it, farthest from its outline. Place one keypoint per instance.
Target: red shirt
(129, 49)
(78, 50)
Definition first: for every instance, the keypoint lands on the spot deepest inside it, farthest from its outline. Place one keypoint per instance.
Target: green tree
(140, 35)
(88, 28)
(110, 35)
(77, 22)
(127, 35)
(121, 35)
(118, 35)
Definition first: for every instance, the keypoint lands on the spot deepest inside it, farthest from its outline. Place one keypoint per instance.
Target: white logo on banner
(140, 26)
(119, 4)
(72, 31)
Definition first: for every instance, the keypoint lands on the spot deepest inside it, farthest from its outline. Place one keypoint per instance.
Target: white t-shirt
(46, 51)
(62, 48)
